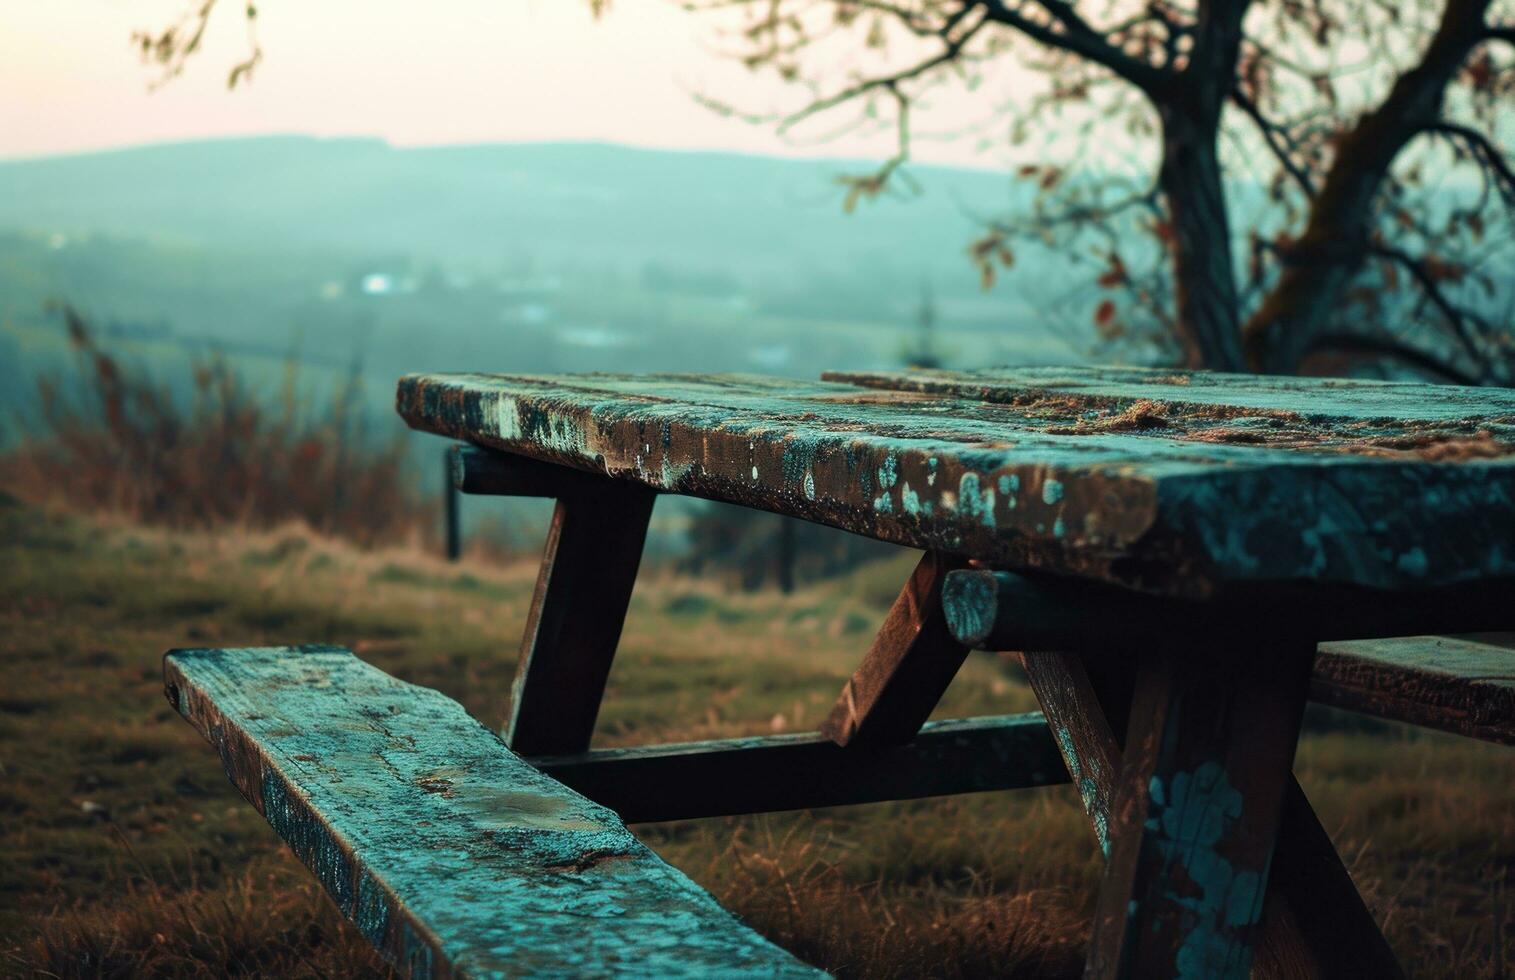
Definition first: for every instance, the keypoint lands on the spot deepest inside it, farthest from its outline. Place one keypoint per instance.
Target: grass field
(124, 852)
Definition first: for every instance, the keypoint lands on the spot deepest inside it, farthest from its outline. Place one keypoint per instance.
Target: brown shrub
(113, 438)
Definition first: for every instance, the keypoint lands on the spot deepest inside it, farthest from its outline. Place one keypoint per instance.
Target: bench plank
(1453, 683)
(1186, 501)
(447, 851)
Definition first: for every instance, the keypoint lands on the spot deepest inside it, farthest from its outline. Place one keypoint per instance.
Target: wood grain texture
(450, 854)
(907, 670)
(1360, 414)
(790, 772)
(1069, 475)
(1456, 684)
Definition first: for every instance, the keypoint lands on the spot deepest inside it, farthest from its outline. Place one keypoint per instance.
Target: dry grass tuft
(112, 438)
(253, 925)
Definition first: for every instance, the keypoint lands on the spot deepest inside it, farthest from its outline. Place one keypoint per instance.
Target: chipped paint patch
(973, 502)
(1189, 816)
(508, 419)
(969, 603)
(1052, 492)
(910, 501)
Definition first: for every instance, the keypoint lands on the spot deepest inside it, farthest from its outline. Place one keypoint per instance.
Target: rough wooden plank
(906, 671)
(1005, 611)
(791, 772)
(451, 855)
(1195, 816)
(1055, 482)
(589, 566)
(1314, 923)
(1456, 684)
(1306, 410)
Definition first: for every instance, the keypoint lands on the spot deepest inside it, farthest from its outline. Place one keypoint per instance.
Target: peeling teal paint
(1191, 814)
(1413, 562)
(910, 501)
(1052, 492)
(975, 503)
(968, 604)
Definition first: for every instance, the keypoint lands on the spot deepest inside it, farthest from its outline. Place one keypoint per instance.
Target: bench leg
(588, 569)
(1314, 922)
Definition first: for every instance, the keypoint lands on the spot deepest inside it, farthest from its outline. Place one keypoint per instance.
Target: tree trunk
(1209, 318)
(1318, 267)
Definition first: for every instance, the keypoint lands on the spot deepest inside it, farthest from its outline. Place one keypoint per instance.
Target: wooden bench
(1173, 549)
(1459, 684)
(450, 854)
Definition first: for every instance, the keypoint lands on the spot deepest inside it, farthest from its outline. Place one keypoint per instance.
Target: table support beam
(792, 772)
(908, 668)
(998, 610)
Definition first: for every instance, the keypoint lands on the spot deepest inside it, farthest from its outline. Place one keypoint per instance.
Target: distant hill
(584, 202)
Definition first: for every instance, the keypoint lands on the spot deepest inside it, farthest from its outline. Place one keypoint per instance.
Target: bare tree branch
(1483, 149)
(1275, 137)
(1076, 36)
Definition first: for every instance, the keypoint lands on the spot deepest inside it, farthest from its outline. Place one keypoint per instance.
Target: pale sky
(447, 71)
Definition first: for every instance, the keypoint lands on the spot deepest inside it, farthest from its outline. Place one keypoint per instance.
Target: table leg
(1196, 808)
(588, 569)
(1314, 921)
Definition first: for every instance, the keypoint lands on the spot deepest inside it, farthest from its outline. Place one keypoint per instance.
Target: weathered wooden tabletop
(1177, 483)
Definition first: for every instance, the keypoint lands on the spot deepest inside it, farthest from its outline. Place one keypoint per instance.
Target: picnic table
(1180, 560)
